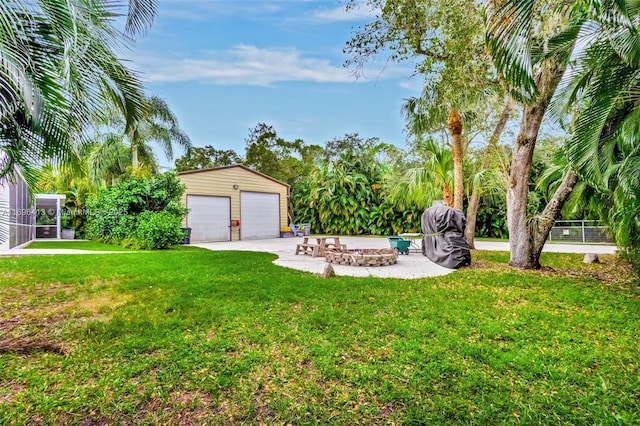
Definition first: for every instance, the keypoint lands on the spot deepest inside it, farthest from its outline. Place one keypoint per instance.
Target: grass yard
(76, 245)
(198, 337)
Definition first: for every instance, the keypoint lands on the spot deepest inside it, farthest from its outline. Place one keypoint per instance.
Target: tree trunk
(454, 123)
(472, 212)
(474, 201)
(521, 240)
(134, 156)
(134, 138)
(551, 211)
(447, 197)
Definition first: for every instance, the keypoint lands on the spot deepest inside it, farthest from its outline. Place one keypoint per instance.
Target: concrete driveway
(414, 265)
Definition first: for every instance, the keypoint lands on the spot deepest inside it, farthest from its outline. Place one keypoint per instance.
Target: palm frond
(141, 14)
(597, 123)
(107, 159)
(59, 72)
(159, 124)
(508, 36)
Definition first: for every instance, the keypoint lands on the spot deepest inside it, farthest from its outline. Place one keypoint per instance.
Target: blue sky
(225, 66)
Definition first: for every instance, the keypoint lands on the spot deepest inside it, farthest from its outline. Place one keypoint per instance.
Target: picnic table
(321, 245)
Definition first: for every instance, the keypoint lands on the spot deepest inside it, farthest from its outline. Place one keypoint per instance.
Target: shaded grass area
(193, 336)
(506, 240)
(76, 245)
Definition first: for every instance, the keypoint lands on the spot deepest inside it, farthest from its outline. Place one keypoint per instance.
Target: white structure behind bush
(17, 215)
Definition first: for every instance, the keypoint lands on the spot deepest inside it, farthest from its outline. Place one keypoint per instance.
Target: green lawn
(76, 245)
(200, 337)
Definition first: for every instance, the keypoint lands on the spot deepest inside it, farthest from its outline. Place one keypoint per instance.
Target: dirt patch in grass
(53, 289)
(195, 405)
(32, 316)
(25, 345)
(30, 332)
(610, 270)
(12, 388)
(100, 304)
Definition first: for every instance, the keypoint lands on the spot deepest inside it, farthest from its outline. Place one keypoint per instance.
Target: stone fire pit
(363, 257)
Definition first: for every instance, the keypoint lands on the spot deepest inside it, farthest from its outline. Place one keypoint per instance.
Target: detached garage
(234, 203)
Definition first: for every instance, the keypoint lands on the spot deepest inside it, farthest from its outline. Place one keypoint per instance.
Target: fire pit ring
(363, 257)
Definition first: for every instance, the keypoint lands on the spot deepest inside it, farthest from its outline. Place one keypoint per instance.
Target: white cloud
(245, 65)
(415, 84)
(198, 10)
(340, 14)
(203, 9)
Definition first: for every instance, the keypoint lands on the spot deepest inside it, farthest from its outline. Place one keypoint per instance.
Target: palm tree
(585, 201)
(447, 40)
(425, 115)
(108, 158)
(420, 186)
(158, 124)
(604, 81)
(58, 73)
(112, 154)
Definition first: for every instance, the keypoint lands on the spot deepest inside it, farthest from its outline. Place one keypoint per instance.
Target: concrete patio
(414, 265)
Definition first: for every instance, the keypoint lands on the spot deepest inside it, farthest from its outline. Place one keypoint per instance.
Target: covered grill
(443, 242)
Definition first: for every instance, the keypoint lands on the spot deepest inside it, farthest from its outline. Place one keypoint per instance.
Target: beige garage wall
(220, 182)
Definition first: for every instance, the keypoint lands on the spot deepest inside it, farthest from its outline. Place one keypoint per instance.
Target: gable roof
(240, 166)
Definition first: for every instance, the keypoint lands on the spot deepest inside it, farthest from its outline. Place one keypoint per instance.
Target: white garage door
(259, 215)
(209, 218)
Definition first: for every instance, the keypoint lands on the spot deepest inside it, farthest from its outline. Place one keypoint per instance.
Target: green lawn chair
(399, 243)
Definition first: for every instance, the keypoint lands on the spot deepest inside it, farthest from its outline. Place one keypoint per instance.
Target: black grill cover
(444, 242)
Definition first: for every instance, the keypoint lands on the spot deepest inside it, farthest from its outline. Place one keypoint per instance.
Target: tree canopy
(60, 72)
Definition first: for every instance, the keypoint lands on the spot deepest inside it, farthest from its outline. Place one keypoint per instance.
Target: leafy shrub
(139, 212)
(341, 196)
(158, 230)
(624, 222)
(491, 219)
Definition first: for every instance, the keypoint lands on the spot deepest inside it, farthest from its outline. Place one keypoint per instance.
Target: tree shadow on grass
(27, 345)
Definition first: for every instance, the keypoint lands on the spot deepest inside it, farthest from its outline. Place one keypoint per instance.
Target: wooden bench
(312, 249)
(332, 243)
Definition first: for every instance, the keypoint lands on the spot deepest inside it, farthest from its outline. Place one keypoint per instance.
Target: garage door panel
(260, 215)
(209, 218)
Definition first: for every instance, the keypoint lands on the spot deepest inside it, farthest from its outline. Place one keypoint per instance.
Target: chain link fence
(579, 231)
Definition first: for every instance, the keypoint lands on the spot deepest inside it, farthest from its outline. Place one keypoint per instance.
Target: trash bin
(306, 229)
(187, 236)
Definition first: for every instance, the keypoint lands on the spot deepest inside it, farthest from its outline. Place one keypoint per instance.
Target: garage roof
(188, 172)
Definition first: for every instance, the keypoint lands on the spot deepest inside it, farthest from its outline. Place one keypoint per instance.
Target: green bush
(139, 212)
(158, 230)
(624, 223)
(491, 218)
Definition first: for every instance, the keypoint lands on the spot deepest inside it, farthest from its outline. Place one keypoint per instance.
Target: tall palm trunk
(525, 253)
(134, 137)
(447, 196)
(454, 123)
(134, 156)
(474, 200)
